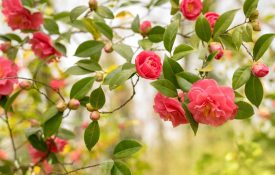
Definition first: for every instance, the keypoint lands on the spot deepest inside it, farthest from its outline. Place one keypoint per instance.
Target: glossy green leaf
(169, 36)
(245, 110)
(136, 24)
(261, 45)
(76, 70)
(10, 100)
(124, 50)
(249, 6)
(194, 125)
(203, 29)
(241, 76)
(237, 38)
(146, 44)
(165, 87)
(156, 34)
(51, 26)
(254, 90)
(51, 126)
(170, 69)
(181, 51)
(223, 22)
(97, 98)
(89, 65)
(89, 48)
(77, 11)
(81, 88)
(186, 79)
(105, 12)
(91, 135)
(126, 148)
(120, 77)
(105, 29)
(120, 168)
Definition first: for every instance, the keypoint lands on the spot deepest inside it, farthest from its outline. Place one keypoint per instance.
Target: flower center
(208, 112)
(190, 7)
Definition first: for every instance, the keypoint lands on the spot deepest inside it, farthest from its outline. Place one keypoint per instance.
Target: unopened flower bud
(254, 15)
(145, 27)
(93, 4)
(95, 115)
(99, 76)
(61, 106)
(216, 47)
(73, 104)
(256, 26)
(89, 107)
(25, 85)
(259, 70)
(4, 47)
(108, 48)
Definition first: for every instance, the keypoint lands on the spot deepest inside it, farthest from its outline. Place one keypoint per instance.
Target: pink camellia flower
(54, 146)
(43, 47)
(169, 109)
(260, 70)
(216, 47)
(145, 27)
(210, 103)
(191, 9)
(7, 69)
(212, 18)
(148, 65)
(57, 84)
(19, 17)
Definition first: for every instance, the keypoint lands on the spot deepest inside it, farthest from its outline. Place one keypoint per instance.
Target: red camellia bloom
(191, 9)
(169, 109)
(56, 84)
(145, 27)
(7, 69)
(215, 46)
(260, 70)
(211, 18)
(54, 146)
(211, 104)
(148, 65)
(43, 47)
(19, 17)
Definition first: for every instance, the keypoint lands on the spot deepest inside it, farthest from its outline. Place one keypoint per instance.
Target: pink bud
(61, 106)
(145, 27)
(215, 46)
(108, 48)
(4, 47)
(95, 115)
(260, 70)
(25, 85)
(73, 104)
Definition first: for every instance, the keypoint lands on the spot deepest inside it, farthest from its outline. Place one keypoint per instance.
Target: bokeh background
(245, 147)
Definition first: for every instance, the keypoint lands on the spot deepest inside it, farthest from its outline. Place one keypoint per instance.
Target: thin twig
(127, 101)
(78, 169)
(247, 50)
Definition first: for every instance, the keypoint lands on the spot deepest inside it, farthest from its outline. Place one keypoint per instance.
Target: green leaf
(104, 12)
(81, 88)
(111, 75)
(186, 79)
(120, 168)
(89, 65)
(237, 38)
(76, 70)
(241, 76)
(227, 41)
(261, 45)
(97, 98)
(11, 99)
(77, 11)
(51, 126)
(65, 134)
(124, 50)
(174, 6)
(254, 90)
(60, 47)
(51, 26)
(90, 26)
(203, 29)
(12, 53)
(247, 33)
(89, 48)
(249, 6)
(120, 77)
(156, 34)
(10, 37)
(91, 135)
(245, 110)
(181, 51)
(194, 125)
(146, 44)
(223, 22)
(170, 69)
(126, 148)
(170, 36)
(34, 136)
(105, 29)
(165, 87)
(136, 24)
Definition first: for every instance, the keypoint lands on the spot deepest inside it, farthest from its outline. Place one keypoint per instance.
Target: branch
(236, 26)
(247, 50)
(78, 169)
(127, 101)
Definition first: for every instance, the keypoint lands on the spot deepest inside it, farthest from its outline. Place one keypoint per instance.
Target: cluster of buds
(254, 20)
(94, 115)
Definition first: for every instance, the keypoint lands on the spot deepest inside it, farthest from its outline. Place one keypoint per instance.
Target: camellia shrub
(185, 97)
